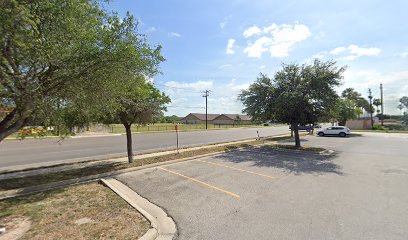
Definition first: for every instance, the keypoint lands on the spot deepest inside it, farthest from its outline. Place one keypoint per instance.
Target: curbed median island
(86, 211)
(104, 169)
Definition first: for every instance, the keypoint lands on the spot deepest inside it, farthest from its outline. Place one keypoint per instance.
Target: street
(55, 150)
(262, 193)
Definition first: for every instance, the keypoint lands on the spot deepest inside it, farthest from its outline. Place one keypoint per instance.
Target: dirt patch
(88, 211)
(15, 226)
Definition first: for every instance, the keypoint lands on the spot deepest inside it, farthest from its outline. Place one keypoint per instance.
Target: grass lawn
(163, 127)
(382, 131)
(88, 211)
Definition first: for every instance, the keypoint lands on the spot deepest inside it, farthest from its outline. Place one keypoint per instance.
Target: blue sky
(222, 46)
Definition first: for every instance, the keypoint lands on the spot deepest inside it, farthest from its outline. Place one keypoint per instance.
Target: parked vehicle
(336, 130)
(307, 128)
(316, 125)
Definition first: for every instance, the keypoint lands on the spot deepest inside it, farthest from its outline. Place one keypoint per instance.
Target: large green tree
(45, 47)
(58, 54)
(297, 94)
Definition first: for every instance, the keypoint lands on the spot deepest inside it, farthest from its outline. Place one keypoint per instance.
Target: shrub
(396, 127)
(36, 132)
(377, 127)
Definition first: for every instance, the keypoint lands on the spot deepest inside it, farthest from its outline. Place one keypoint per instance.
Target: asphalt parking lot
(262, 193)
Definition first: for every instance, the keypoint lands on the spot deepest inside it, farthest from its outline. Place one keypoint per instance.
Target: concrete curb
(142, 154)
(163, 226)
(327, 152)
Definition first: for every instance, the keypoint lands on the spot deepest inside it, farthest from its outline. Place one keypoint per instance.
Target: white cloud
(237, 87)
(353, 51)
(319, 55)
(270, 28)
(360, 51)
(255, 50)
(338, 50)
(198, 86)
(404, 54)
(277, 39)
(230, 46)
(174, 34)
(251, 31)
(262, 67)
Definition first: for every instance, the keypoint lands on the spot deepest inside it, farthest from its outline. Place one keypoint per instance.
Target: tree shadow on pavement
(297, 162)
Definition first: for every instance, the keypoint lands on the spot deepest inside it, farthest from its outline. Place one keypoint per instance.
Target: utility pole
(206, 93)
(371, 108)
(382, 105)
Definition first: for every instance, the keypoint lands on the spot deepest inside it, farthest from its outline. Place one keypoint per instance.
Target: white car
(335, 130)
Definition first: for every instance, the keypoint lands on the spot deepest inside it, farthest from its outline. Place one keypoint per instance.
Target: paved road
(360, 193)
(46, 151)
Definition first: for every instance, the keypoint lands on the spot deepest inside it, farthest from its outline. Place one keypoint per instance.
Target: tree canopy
(350, 106)
(297, 94)
(66, 54)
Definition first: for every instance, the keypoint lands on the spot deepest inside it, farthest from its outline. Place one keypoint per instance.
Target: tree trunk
(129, 142)
(296, 131)
(12, 129)
(13, 122)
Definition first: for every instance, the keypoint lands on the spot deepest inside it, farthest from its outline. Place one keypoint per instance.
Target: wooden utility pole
(371, 108)
(206, 93)
(382, 105)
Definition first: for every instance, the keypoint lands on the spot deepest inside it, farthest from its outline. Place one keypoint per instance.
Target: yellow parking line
(198, 181)
(238, 169)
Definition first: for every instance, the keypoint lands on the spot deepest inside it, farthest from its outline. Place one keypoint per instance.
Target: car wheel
(342, 134)
(321, 134)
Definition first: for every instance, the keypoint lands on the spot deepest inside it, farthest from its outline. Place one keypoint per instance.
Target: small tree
(400, 107)
(377, 104)
(404, 102)
(296, 95)
(403, 106)
(346, 110)
(350, 106)
(141, 103)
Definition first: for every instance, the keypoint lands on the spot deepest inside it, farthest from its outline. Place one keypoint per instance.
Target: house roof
(236, 116)
(201, 116)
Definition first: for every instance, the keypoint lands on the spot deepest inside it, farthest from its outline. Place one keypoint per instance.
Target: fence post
(177, 143)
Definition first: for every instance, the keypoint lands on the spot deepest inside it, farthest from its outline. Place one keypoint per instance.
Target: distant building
(223, 119)
(198, 118)
(233, 119)
(362, 123)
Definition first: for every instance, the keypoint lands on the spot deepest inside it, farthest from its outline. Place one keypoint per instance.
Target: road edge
(162, 226)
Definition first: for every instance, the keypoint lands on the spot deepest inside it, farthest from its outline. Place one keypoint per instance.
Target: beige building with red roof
(219, 119)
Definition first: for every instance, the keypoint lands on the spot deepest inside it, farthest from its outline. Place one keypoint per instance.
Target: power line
(382, 105)
(371, 108)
